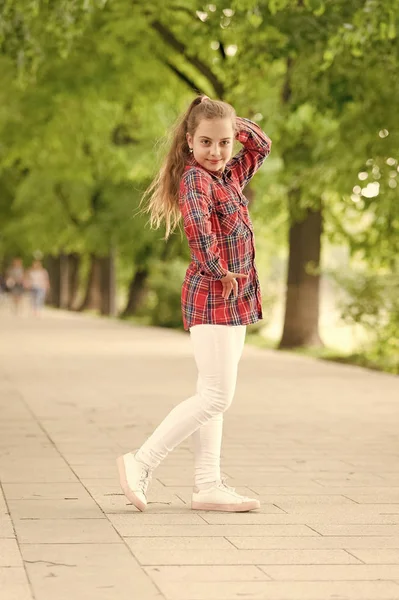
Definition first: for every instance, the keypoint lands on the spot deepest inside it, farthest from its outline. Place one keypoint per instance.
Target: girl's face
(212, 143)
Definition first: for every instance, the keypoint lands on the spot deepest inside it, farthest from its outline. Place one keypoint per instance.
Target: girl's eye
(223, 143)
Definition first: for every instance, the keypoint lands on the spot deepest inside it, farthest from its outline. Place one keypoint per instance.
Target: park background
(89, 90)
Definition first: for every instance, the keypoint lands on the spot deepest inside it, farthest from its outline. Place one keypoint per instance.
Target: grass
(325, 353)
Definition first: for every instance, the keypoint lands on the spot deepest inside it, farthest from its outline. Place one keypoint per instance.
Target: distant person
(202, 183)
(38, 283)
(15, 283)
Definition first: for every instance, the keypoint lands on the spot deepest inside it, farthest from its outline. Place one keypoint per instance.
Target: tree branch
(182, 76)
(95, 200)
(174, 43)
(286, 91)
(120, 136)
(61, 196)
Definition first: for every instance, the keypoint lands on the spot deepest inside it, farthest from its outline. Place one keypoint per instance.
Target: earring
(190, 150)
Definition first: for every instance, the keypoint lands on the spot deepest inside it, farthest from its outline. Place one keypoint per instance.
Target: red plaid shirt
(220, 235)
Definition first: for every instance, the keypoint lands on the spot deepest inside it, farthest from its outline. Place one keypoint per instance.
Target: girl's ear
(189, 140)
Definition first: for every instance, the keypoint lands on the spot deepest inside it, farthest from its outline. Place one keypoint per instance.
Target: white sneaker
(134, 479)
(223, 498)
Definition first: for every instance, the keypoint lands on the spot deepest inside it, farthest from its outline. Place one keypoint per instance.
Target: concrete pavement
(316, 442)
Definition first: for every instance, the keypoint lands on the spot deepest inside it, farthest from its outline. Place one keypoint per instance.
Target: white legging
(217, 352)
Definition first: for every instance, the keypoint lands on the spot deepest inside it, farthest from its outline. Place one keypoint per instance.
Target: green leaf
(316, 6)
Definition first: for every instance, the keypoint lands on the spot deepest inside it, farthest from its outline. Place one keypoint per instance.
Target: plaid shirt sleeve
(256, 149)
(195, 202)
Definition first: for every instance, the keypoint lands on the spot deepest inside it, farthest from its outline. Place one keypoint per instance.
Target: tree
(329, 53)
(82, 189)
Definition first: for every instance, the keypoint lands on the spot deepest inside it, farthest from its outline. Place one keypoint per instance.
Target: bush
(165, 284)
(372, 301)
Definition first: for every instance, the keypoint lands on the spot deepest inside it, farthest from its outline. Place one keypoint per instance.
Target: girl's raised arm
(257, 145)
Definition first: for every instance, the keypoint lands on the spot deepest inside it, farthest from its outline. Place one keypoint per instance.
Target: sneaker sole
(130, 495)
(244, 507)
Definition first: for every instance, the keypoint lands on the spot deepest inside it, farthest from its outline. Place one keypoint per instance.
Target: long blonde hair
(162, 196)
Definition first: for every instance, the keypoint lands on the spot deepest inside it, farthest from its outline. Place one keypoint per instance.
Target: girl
(220, 294)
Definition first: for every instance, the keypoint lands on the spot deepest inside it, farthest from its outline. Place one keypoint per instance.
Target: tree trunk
(137, 292)
(52, 264)
(108, 285)
(73, 279)
(62, 271)
(92, 300)
(302, 295)
(64, 280)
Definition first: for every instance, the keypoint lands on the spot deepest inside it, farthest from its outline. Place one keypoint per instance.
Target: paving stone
(374, 513)
(9, 553)
(290, 502)
(387, 496)
(242, 557)
(50, 581)
(137, 529)
(73, 508)
(102, 458)
(353, 480)
(302, 542)
(122, 522)
(14, 583)
(95, 471)
(357, 529)
(311, 519)
(206, 573)
(82, 554)
(380, 556)
(179, 543)
(331, 572)
(3, 506)
(38, 474)
(264, 470)
(49, 491)
(273, 590)
(6, 528)
(324, 464)
(64, 531)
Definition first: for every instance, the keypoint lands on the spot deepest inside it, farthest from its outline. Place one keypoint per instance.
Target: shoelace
(145, 478)
(224, 485)
(230, 489)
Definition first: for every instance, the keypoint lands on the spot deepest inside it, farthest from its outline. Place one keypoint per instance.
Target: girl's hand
(230, 283)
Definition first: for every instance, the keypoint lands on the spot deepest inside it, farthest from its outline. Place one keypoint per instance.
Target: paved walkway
(317, 442)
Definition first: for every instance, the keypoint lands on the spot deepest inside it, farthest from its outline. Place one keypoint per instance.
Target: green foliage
(372, 301)
(85, 151)
(164, 302)
(33, 31)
